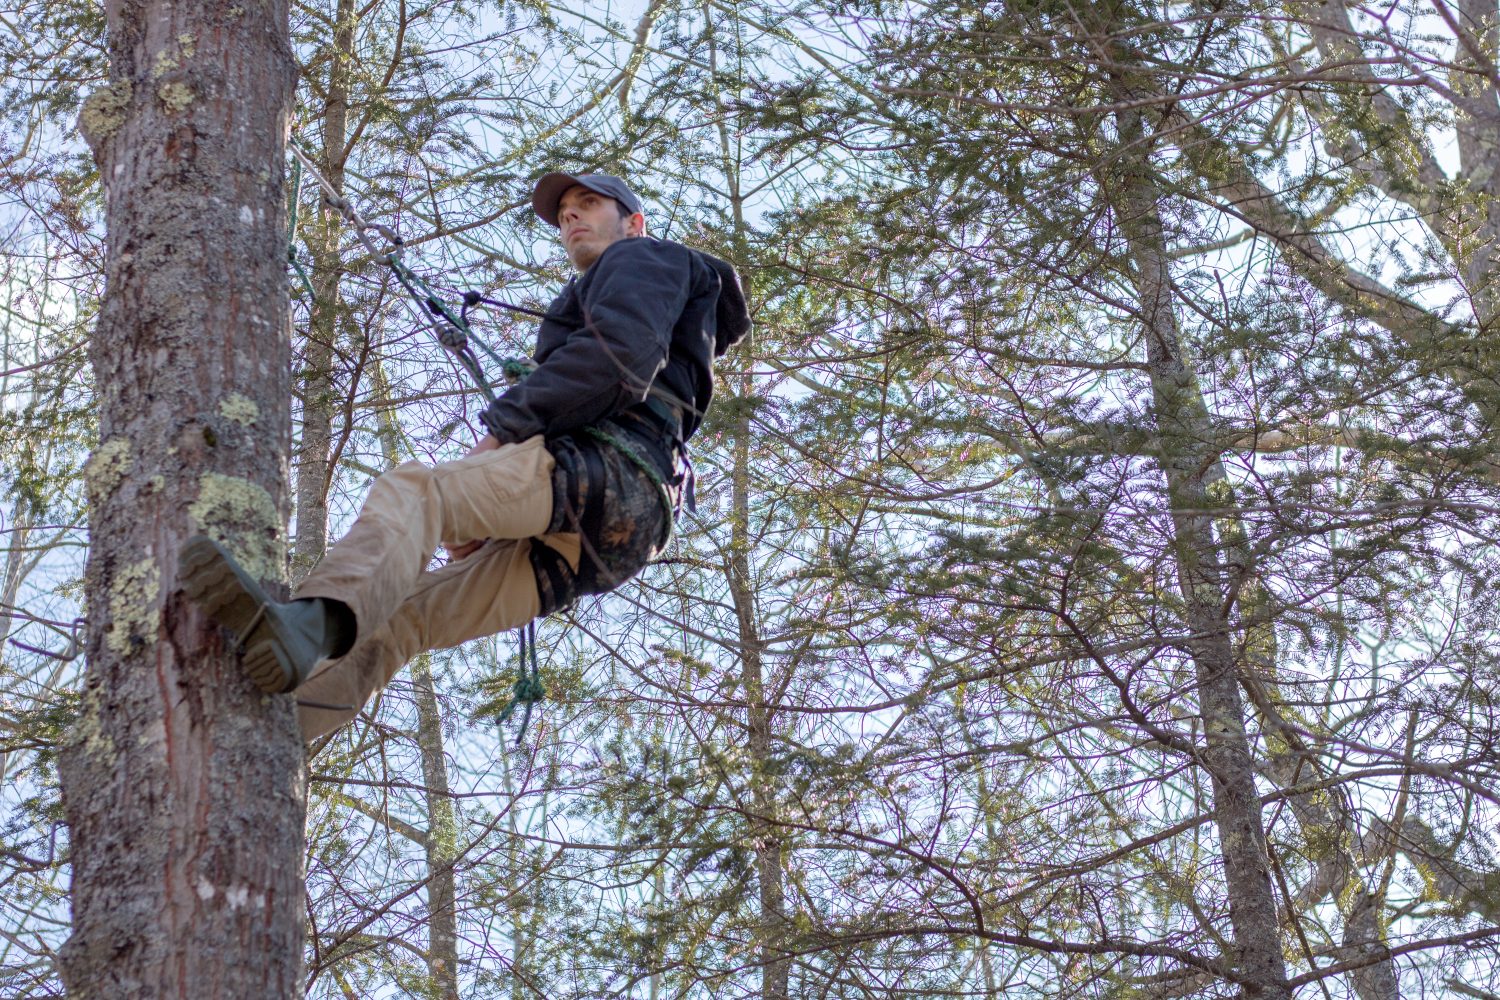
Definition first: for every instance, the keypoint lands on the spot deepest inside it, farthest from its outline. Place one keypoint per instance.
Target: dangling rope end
(528, 688)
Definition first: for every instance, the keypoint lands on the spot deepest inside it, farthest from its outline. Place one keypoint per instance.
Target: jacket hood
(733, 313)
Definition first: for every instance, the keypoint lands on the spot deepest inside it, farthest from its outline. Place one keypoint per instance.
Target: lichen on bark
(104, 111)
(239, 409)
(86, 733)
(242, 517)
(106, 468)
(176, 96)
(133, 613)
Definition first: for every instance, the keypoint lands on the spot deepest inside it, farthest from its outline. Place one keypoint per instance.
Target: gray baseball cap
(550, 189)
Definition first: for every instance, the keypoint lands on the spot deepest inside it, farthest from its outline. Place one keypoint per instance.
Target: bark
(1191, 468)
(1473, 81)
(524, 920)
(16, 559)
(183, 786)
(314, 472)
(442, 838)
(765, 833)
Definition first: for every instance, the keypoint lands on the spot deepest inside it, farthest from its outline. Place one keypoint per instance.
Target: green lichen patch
(133, 598)
(166, 60)
(176, 96)
(104, 111)
(240, 409)
(106, 468)
(242, 517)
(86, 732)
(443, 836)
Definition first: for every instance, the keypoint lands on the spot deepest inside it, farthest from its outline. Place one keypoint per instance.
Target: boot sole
(231, 597)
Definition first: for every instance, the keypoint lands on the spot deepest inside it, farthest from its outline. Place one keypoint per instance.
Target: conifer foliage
(1090, 589)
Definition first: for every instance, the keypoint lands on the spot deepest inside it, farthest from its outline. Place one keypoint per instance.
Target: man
(571, 492)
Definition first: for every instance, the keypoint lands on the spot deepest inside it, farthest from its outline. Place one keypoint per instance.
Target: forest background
(1091, 590)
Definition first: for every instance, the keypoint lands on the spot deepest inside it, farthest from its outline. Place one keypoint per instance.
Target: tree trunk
(183, 786)
(1190, 468)
(313, 458)
(442, 837)
(770, 856)
(765, 834)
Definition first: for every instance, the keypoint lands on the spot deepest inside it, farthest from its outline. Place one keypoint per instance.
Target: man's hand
(456, 552)
(487, 443)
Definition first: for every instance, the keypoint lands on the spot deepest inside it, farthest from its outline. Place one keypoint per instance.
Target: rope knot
(528, 688)
(515, 370)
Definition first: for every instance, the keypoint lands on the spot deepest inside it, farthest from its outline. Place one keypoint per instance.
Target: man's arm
(631, 300)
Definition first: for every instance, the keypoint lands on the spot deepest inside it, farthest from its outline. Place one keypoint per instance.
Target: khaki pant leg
(492, 590)
(413, 508)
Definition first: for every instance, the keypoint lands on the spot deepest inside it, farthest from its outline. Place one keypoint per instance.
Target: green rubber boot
(279, 642)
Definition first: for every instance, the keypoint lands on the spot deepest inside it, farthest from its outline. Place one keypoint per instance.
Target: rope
(516, 370)
(528, 688)
(291, 232)
(474, 298)
(452, 331)
(644, 464)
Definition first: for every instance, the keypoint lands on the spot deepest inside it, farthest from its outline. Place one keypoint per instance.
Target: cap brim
(548, 193)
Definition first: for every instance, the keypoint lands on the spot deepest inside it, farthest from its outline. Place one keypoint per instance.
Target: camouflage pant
(616, 509)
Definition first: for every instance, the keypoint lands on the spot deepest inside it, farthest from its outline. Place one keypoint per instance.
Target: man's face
(588, 222)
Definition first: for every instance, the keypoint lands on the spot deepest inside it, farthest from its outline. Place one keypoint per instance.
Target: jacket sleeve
(630, 302)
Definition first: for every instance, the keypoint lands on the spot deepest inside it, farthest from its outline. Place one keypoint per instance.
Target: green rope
(292, 259)
(291, 226)
(515, 370)
(641, 462)
(421, 291)
(291, 231)
(528, 688)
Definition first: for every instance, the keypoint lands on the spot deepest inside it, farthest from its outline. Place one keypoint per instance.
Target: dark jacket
(648, 317)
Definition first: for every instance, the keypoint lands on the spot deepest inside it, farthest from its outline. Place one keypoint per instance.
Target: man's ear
(635, 225)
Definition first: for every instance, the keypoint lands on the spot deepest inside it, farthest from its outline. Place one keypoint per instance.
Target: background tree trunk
(1190, 467)
(441, 844)
(319, 401)
(182, 785)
